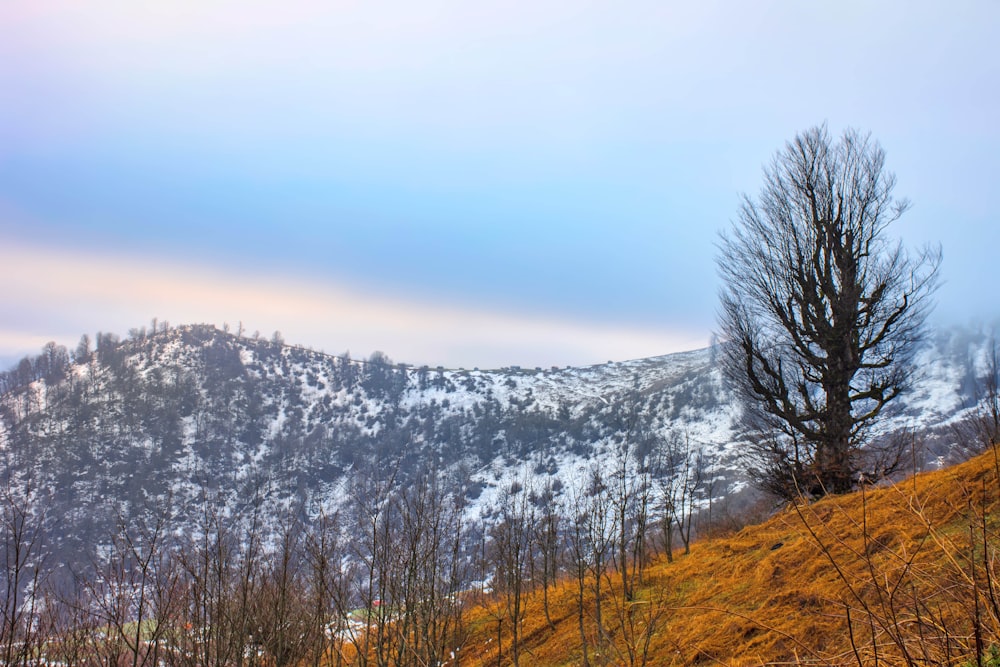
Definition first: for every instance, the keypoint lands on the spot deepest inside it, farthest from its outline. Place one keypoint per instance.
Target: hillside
(905, 574)
(169, 418)
(172, 418)
(197, 483)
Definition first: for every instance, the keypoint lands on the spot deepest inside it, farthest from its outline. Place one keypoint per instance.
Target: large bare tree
(821, 311)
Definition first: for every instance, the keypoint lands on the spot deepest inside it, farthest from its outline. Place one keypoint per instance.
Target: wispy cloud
(571, 158)
(85, 291)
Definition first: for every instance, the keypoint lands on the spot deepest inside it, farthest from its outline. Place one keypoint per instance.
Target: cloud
(80, 291)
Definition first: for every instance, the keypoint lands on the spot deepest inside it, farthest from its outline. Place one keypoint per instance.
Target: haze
(464, 184)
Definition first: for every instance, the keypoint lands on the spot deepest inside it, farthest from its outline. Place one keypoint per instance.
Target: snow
(681, 398)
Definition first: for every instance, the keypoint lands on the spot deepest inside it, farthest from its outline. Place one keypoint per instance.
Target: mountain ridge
(169, 416)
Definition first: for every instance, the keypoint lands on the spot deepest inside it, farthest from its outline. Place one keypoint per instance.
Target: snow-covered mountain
(171, 418)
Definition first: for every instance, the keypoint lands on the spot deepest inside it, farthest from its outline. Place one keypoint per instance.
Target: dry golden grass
(905, 564)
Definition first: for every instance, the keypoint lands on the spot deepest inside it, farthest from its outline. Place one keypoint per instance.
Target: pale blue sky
(457, 183)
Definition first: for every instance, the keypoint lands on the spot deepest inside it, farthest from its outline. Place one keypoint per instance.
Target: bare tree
(427, 572)
(21, 531)
(70, 624)
(133, 595)
(221, 571)
(207, 565)
(634, 620)
(283, 622)
(592, 540)
(821, 312)
(578, 559)
(511, 544)
(328, 588)
(631, 489)
(375, 510)
(985, 421)
(546, 539)
(680, 473)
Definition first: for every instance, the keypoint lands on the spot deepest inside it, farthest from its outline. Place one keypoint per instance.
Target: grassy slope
(897, 559)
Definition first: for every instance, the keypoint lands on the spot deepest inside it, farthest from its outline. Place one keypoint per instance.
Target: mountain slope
(167, 420)
(905, 574)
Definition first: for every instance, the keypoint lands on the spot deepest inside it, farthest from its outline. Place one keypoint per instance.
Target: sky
(458, 183)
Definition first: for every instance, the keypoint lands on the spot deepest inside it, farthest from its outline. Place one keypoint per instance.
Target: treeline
(157, 414)
(235, 590)
(51, 365)
(54, 361)
(381, 580)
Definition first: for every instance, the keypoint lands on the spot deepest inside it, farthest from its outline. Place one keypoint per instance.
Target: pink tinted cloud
(115, 293)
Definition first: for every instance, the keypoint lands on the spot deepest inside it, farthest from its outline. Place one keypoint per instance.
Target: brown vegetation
(896, 575)
(900, 575)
